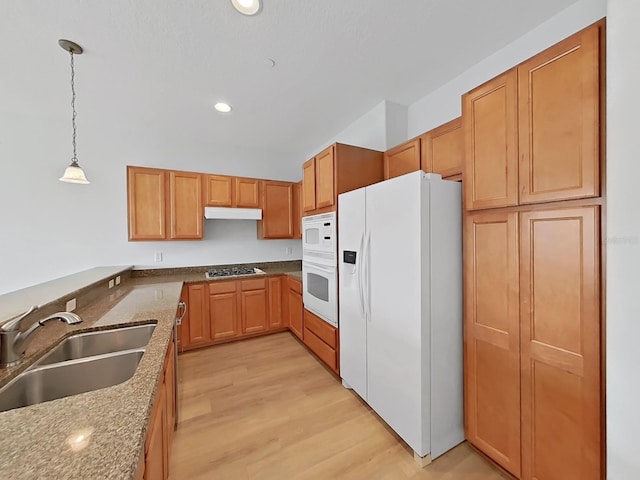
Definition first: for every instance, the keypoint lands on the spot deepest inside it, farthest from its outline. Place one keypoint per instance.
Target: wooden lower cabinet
(275, 292)
(223, 311)
(492, 340)
(322, 339)
(253, 296)
(197, 330)
(533, 383)
(295, 307)
(157, 446)
(220, 311)
(560, 344)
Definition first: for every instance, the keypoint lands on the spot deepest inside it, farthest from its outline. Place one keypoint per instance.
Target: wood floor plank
(265, 408)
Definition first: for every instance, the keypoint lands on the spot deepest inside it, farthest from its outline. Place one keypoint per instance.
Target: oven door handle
(322, 268)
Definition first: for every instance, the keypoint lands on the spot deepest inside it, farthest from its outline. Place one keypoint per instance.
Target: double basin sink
(80, 363)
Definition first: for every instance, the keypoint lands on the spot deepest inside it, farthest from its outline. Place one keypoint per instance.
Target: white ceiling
(156, 67)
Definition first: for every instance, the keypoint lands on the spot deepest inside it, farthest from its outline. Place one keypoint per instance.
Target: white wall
(623, 235)
(444, 103)
(382, 127)
(50, 229)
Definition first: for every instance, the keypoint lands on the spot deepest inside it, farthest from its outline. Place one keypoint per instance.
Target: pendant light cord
(74, 159)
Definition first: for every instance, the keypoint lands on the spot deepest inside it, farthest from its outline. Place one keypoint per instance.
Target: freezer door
(353, 331)
(395, 334)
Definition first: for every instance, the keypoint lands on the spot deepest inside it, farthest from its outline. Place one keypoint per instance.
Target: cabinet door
(402, 159)
(254, 311)
(560, 331)
(442, 149)
(491, 143)
(277, 210)
(297, 210)
(170, 395)
(492, 342)
(559, 100)
(247, 193)
(146, 203)
(274, 288)
(155, 448)
(199, 331)
(325, 177)
(309, 185)
(223, 310)
(295, 313)
(185, 206)
(219, 191)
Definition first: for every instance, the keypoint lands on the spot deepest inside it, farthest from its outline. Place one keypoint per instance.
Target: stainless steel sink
(97, 343)
(49, 382)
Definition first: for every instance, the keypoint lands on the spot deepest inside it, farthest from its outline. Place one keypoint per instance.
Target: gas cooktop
(232, 272)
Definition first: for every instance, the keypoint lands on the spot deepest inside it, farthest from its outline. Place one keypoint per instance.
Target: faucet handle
(14, 323)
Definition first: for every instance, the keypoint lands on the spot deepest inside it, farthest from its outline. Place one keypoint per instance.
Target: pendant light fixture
(73, 173)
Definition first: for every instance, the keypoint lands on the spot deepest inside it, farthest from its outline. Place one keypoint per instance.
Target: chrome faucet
(13, 342)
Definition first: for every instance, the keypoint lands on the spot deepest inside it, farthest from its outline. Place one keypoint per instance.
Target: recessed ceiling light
(247, 7)
(222, 107)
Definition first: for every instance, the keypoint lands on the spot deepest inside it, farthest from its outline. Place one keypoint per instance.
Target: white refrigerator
(400, 306)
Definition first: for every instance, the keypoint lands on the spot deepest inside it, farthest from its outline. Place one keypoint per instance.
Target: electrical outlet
(71, 305)
(158, 257)
(118, 280)
(112, 282)
(288, 251)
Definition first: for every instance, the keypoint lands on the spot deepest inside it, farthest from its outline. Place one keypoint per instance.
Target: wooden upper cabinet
(325, 171)
(338, 169)
(404, 158)
(442, 149)
(297, 210)
(309, 185)
(559, 102)
(560, 343)
(219, 191)
(185, 206)
(247, 192)
(491, 144)
(277, 210)
(146, 189)
(492, 339)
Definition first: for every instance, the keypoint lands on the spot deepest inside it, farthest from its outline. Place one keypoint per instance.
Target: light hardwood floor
(265, 408)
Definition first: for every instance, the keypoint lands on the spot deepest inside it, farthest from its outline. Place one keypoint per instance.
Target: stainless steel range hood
(227, 213)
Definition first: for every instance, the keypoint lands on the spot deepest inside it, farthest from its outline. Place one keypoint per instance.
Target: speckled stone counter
(38, 441)
(197, 274)
(41, 441)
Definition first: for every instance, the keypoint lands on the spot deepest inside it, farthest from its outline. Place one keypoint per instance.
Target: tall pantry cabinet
(532, 246)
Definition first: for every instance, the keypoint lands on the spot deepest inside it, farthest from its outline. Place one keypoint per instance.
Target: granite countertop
(197, 274)
(38, 441)
(297, 275)
(101, 434)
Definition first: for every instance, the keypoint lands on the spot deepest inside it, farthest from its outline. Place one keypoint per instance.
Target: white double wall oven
(320, 266)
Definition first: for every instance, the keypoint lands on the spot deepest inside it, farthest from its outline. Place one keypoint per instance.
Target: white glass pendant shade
(74, 174)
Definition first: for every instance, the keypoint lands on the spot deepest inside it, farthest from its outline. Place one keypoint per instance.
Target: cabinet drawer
(222, 287)
(321, 349)
(295, 285)
(320, 328)
(253, 284)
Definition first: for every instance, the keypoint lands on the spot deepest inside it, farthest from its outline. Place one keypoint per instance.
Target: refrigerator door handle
(367, 277)
(359, 273)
